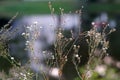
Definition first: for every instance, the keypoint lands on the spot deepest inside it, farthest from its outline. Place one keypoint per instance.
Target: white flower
(27, 34)
(29, 28)
(60, 34)
(98, 35)
(76, 55)
(101, 70)
(27, 42)
(52, 57)
(89, 74)
(23, 34)
(74, 46)
(41, 27)
(35, 23)
(21, 74)
(70, 39)
(12, 58)
(44, 52)
(93, 23)
(118, 64)
(54, 72)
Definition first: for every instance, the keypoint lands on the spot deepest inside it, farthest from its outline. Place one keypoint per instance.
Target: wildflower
(54, 72)
(28, 73)
(108, 60)
(78, 46)
(52, 57)
(82, 6)
(97, 35)
(21, 73)
(60, 35)
(112, 30)
(27, 34)
(70, 39)
(44, 52)
(74, 46)
(89, 74)
(12, 58)
(93, 23)
(76, 55)
(35, 23)
(41, 27)
(101, 70)
(29, 28)
(27, 42)
(23, 34)
(118, 64)
(91, 33)
(66, 58)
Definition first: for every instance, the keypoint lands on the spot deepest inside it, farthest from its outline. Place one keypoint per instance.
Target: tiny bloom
(12, 58)
(108, 60)
(82, 6)
(27, 42)
(70, 39)
(28, 73)
(27, 34)
(118, 64)
(76, 55)
(21, 73)
(89, 74)
(74, 45)
(35, 23)
(60, 33)
(23, 34)
(93, 23)
(24, 75)
(78, 46)
(41, 27)
(101, 70)
(27, 27)
(66, 59)
(44, 52)
(52, 57)
(54, 72)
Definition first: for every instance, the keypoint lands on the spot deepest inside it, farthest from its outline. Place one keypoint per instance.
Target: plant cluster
(51, 63)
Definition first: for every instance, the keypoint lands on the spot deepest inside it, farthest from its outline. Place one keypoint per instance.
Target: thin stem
(80, 77)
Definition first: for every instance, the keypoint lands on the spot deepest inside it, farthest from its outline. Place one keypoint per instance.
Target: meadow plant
(98, 45)
(56, 60)
(51, 63)
(5, 36)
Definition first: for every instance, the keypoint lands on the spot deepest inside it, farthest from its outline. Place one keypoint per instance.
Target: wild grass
(63, 46)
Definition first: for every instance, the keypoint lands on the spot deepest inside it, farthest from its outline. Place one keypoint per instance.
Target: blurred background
(98, 11)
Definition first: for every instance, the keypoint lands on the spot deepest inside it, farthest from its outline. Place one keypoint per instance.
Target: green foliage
(26, 8)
